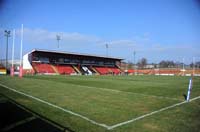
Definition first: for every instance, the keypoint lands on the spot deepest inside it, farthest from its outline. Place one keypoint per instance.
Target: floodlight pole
(7, 34)
(106, 50)
(13, 47)
(58, 39)
(134, 61)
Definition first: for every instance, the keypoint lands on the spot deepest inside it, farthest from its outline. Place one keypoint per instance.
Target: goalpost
(21, 68)
(189, 89)
(21, 53)
(13, 52)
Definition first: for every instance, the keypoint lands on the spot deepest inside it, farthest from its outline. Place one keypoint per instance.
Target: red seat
(107, 70)
(65, 69)
(115, 70)
(43, 68)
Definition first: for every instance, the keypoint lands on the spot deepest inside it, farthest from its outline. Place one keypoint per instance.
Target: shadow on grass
(185, 96)
(15, 119)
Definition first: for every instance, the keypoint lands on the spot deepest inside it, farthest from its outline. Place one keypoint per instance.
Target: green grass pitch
(110, 100)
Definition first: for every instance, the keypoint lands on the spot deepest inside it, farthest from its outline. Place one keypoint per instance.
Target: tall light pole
(7, 34)
(13, 47)
(58, 38)
(106, 50)
(134, 53)
(134, 57)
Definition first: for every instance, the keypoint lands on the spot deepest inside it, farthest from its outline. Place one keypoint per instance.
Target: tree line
(143, 63)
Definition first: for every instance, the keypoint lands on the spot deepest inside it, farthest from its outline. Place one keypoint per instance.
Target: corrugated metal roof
(73, 53)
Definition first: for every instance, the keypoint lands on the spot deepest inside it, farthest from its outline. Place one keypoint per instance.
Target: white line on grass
(55, 106)
(107, 89)
(101, 124)
(117, 91)
(149, 114)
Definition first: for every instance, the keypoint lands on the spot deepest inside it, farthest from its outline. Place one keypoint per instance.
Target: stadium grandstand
(56, 63)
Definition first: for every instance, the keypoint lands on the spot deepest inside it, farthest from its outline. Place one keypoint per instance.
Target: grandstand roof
(73, 53)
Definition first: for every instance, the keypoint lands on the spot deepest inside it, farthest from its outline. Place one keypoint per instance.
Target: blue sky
(155, 29)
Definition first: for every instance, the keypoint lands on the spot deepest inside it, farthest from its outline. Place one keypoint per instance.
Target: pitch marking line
(55, 106)
(94, 122)
(149, 114)
(106, 89)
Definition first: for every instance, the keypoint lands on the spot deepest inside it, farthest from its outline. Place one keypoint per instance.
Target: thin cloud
(118, 44)
(41, 35)
(91, 44)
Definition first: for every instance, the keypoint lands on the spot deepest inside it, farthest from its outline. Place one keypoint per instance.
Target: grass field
(107, 101)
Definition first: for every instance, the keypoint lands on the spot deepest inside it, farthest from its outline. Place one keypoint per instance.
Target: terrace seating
(169, 71)
(144, 71)
(157, 71)
(43, 68)
(65, 69)
(197, 71)
(107, 70)
(130, 71)
(102, 70)
(115, 70)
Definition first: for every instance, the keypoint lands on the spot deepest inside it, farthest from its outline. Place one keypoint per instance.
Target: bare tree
(166, 64)
(142, 63)
(196, 65)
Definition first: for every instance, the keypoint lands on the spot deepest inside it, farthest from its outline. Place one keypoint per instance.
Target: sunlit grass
(104, 99)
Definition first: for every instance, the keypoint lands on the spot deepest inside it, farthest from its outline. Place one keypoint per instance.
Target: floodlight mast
(58, 38)
(13, 47)
(106, 50)
(134, 53)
